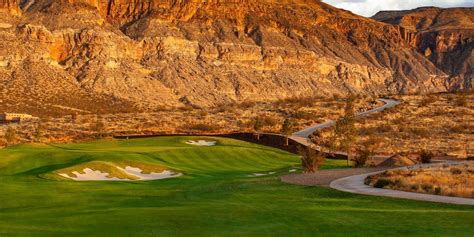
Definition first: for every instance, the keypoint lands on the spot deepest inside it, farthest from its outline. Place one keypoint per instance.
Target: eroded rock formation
(205, 53)
(444, 36)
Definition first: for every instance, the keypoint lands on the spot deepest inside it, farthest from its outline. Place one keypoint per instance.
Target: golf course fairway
(218, 194)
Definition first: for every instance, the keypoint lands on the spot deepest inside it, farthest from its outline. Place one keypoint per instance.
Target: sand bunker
(133, 173)
(261, 174)
(89, 175)
(151, 176)
(201, 143)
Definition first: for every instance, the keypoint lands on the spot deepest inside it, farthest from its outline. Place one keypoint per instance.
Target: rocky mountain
(148, 54)
(444, 36)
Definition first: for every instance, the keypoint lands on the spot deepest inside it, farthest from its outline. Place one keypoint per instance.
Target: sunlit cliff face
(209, 53)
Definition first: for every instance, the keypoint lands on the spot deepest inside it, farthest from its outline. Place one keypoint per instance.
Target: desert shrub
(73, 118)
(10, 135)
(398, 183)
(246, 104)
(415, 187)
(269, 121)
(368, 180)
(363, 155)
(439, 112)
(302, 115)
(224, 108)
(361, 159)
(462, 128)
(306, 101)
(203, 127)
(427, 187)
(437, 190)
(99, 127)
(381, 183)
(427, 100)
(385, 128)
(419, 131)
(203, 113)
(455, 171)
(426, 156)
(187, 108)
(311, 159)
(461, 100)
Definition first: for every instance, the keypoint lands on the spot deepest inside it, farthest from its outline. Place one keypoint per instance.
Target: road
(305, 133)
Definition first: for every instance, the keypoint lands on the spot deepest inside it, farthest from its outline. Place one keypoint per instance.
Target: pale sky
(370, 7)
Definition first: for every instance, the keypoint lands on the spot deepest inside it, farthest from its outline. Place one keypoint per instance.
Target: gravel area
(325, 177)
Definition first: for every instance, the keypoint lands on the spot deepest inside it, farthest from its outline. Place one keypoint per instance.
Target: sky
(370, 7)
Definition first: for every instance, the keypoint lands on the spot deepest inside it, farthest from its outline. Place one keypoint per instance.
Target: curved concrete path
(355, 184)
(305, 133)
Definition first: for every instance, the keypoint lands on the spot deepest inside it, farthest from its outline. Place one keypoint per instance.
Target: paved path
(302, 137)
(355, 184)
(324, 177)
(305, 133)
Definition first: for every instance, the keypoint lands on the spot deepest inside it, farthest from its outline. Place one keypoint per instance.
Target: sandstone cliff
(205, 53)
(444, 36)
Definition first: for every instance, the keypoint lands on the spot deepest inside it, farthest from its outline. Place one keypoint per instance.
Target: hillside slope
(206, 53)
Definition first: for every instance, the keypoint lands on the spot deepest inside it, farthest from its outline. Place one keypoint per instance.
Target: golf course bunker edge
(201, 143)
(106, 171)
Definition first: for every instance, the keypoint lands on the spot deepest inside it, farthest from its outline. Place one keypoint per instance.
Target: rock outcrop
(205, 53)
(444, 36)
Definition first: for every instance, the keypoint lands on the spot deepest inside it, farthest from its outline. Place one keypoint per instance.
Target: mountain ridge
(190, 53)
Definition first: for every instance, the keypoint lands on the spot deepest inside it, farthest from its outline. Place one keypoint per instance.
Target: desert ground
(439, 123)
(223, 187)
(455, 180)
(224, 119)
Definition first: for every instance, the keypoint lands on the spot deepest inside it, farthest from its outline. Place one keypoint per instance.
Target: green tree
(10, 136)
(344, 134)
(287, 129)
(257, 126)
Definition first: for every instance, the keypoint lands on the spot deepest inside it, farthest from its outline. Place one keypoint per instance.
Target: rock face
(444, 36)
(154, 53)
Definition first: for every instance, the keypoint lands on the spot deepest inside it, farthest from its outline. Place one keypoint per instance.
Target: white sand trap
(261, 174)
(201, 143)
(137, 174)
(292, 170)
(152, 176)
(91, 175)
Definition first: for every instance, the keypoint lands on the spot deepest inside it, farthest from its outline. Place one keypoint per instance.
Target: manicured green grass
(214, 197)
